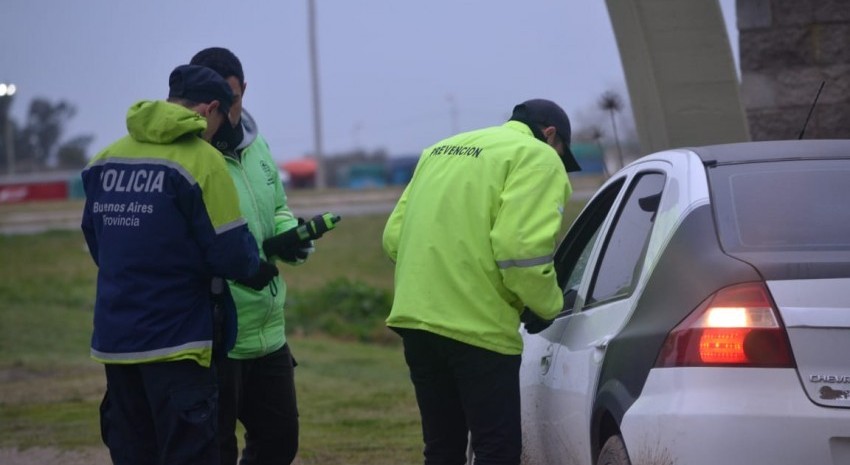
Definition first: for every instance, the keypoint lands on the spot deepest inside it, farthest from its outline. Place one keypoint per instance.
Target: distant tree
(611, 102)
(37, 144)
(43, 130)
(72, 154)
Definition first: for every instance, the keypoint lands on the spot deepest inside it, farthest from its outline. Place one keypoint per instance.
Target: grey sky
(389, 69)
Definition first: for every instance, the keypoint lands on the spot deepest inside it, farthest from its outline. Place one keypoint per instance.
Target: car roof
(772, 150)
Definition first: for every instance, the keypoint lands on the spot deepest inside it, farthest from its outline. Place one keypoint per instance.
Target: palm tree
(611, 102)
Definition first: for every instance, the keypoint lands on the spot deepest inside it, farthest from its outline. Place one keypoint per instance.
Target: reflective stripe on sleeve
(232, 225)
(525, 262)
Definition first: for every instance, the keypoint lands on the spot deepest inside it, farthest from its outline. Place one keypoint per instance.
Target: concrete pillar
(679, 71)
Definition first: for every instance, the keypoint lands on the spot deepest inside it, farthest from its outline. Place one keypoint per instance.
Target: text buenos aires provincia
(129, 181)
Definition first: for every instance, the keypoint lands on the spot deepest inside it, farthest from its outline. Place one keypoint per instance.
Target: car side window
(622, 255)
(574, 279)
(574, 252)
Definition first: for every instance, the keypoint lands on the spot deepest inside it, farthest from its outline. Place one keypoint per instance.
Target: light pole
(317, 108)
(453, 111)
(6, 93)
(355, 134)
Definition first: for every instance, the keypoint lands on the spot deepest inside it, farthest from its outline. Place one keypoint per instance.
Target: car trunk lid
(816, 314)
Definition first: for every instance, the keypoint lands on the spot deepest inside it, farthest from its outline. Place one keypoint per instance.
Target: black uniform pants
(260, 393)
(464, 392)
(160, 413)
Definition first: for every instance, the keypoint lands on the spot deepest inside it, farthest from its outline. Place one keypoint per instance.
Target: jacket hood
(161, 122)
(249, 130)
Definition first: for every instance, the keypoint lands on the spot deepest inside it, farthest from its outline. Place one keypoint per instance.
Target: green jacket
(473, 236)
(262, 200)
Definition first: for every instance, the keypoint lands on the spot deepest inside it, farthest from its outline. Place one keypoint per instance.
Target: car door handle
(545, 363)
(546, 360)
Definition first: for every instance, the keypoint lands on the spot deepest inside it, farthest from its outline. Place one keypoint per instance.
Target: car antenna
(803, 131)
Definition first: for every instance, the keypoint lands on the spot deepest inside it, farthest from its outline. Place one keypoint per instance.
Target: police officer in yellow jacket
(473, 237)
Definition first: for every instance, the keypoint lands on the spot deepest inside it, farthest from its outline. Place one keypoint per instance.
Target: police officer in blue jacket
(161, 221)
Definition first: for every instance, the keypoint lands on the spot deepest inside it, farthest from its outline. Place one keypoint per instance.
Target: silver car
(710, 314)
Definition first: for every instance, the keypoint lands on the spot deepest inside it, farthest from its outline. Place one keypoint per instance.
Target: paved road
(21, 219)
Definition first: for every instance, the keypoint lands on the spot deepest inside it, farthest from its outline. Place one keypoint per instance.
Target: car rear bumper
(705, 416)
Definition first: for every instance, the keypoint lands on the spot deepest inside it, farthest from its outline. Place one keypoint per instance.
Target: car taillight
(737, 326)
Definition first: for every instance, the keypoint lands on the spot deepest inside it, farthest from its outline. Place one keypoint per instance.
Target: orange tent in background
(300, 168)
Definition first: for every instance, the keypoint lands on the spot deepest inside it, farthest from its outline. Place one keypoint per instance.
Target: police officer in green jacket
(256, 379)
(473, 237)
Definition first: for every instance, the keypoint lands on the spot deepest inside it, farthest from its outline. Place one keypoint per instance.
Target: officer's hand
(298, 254)
(287, 245)
(261, 278)
(533, 323)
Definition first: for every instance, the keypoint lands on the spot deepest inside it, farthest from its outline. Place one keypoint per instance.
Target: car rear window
(783, 205)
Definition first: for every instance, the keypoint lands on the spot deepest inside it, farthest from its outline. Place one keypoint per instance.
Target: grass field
(356, 403)
(355, 400)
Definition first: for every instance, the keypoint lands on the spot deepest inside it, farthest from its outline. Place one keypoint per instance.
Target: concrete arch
(679, 71)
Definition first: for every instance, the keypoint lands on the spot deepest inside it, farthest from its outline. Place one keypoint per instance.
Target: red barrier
(26, 192)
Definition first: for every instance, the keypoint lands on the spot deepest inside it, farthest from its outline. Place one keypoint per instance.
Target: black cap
(200, 84)
(548, 113)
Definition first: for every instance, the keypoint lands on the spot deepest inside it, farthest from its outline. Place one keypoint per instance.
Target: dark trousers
(160, 413)
(260, 393)
(464, 391)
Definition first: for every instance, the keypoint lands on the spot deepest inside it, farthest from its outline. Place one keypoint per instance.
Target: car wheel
(614, 452)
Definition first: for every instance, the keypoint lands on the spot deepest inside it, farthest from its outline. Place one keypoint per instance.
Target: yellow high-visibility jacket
(473, 237)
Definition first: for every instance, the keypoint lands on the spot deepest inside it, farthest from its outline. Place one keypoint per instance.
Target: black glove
(296, 243)
(288, 245)
(297, 254)
(533, 323)
(261, 278)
